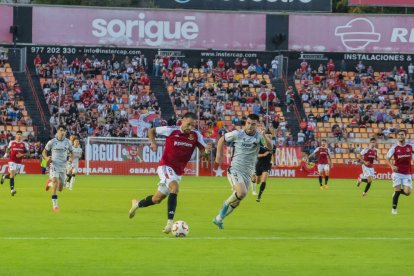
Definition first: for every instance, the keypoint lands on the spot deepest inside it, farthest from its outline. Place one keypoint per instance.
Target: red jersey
(15, 148)
(369, 155)
(323, 154)
(402, 157)
(179, 147)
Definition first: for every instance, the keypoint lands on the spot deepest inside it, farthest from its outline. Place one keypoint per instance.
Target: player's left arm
(329, 159)
(202, 146)
(70, 153)
(267, 141)
(26, 153)
(6, 154)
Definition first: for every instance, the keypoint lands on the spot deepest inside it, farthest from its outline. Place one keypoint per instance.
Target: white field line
(213, 238)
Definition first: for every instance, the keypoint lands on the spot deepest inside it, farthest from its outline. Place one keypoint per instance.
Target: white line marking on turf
(216, 238)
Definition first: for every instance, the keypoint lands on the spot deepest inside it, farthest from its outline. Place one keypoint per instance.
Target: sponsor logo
(182, 1)
(153, 32)
(283, 173)
(5, 167)
(183, 144)
(383, 175)
(142, 170)
(105, 152)
(101, 170)
(357, 34)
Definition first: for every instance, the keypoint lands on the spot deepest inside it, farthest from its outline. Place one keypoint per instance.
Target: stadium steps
(164, 101)
(289, 116)
(298, 100)
(43, 131)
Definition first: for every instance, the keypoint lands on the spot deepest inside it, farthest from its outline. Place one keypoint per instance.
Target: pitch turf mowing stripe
(213, 238)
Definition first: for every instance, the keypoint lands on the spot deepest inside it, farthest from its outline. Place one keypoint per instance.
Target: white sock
(55, 203)
(72, 181)
(253, 187)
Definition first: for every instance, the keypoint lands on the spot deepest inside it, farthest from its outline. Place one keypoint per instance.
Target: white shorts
(402, 179)
(57, 173)
(323, 168)
(367, 172)
(72, 168)
(236, 177)
(15, 167)
(167, 175)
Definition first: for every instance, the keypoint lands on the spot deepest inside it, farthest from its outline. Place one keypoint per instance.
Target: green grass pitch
(297, 229)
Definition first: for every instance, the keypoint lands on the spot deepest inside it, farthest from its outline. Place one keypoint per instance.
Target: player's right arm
(313, 153)
(361, 156)
(228, 138)
(389, 156)
(47, 148)
(153, 132)
(6, 154)
(219, 153)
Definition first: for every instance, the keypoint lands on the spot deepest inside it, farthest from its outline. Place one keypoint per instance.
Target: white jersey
(76, 154)
(245, 150)
(60, 150)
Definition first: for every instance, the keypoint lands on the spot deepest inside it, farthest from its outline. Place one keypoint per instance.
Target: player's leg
(68, 175)
(55, 184)
(369, 174)
(265, 174)
(161, 193)
(255, 179)
(406, 187)
(320, 172)
(172, 205)
(7, 175)
(12, 174)
(326, 170)
(369, 181)
(73, 176)
(397, 183)
(240, 186)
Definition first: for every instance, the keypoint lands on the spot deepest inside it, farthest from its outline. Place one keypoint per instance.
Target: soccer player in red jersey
(179, 147)
(324, 162)
(367, 157)
(16, 150)
(402, 153)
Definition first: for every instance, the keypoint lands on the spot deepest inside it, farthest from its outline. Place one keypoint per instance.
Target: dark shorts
(261, 168)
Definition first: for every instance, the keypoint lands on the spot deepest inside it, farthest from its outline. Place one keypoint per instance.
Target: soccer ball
(180, 229)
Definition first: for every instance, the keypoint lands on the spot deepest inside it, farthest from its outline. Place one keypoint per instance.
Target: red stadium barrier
(207, 169)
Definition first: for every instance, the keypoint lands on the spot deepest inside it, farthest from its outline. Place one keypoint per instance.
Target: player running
(263, 166)
(367, 157)
(324, 162)
(180, 144)
(16, 150)
(246, 145)
(402, 153)
(72, 167)
(61, 148)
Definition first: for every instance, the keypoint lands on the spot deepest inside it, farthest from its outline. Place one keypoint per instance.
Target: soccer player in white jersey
(246, 145)
(69, 164)
(61, 148)
(73, 167)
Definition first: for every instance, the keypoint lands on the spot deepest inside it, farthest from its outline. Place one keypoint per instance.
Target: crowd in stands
(224, 92)
(361, 103)
(13, 114)
(96, 97)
